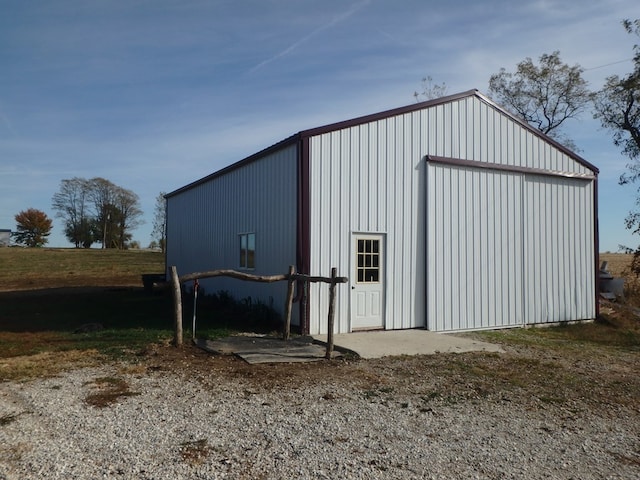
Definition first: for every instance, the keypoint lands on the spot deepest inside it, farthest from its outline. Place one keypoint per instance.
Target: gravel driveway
(194, 416)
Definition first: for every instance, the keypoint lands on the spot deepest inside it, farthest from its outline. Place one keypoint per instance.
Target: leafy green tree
(617, 106)
(33, 228)
(544, 95)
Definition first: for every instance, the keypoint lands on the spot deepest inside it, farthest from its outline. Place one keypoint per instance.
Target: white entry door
(367, 284)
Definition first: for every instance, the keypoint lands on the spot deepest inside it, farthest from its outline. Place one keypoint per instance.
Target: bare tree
(102, 194)
(544, 95)
(97, 210)
(617, 106)
(430, 90)
(160, 221)
(127, 211)
(72, 205)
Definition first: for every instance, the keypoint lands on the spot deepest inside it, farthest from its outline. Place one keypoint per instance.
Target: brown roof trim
(292, 140)
(538, 133)
(386, 114)
(380, 116)
(320, 130)
(458, 162)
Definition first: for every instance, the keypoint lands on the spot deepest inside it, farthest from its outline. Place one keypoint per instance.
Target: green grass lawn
(39, 268)
(46, 295)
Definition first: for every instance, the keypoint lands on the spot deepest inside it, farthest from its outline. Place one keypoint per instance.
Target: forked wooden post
(332, 309)
(288, 305)
(177, 307)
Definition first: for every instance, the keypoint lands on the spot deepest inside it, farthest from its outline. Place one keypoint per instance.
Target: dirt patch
(530, 375)
(46, 364)
(108, 390)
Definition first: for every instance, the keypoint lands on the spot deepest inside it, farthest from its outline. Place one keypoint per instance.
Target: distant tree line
(97, 211)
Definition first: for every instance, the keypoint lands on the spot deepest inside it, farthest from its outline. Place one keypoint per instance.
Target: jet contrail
(340, 18)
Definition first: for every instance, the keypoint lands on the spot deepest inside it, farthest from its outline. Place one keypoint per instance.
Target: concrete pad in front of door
(385, 343)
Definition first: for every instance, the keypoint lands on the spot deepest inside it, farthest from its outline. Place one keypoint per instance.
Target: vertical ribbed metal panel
(474, 257)
(370, 179)
(559, 249)
(205, 220)
(467, 225)
(465, 247)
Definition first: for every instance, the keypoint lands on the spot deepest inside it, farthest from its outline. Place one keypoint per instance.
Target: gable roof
(297, 137)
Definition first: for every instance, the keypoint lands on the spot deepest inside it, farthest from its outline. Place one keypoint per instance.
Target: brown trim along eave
(458, 162)
(538, 133)
(386, 114)
(303, 230)
(250, 159)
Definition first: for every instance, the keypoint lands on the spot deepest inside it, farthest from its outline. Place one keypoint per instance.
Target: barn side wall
(373, 178)
(204, 223)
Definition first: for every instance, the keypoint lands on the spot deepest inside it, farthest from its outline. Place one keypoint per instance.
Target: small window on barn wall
(247, 250)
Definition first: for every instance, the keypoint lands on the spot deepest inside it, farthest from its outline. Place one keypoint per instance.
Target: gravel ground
(214, 417)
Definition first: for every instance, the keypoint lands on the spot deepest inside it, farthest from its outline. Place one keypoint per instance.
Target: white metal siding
(371, 178)
(559, 249)
(464, 247)
(366, 179)
(508, 249)
(205, 220)
(474, 259)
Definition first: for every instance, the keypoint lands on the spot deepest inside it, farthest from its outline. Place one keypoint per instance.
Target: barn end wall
(204, 223)
(372, 177)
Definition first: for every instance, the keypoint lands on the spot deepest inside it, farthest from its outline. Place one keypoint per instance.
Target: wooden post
(177, 307)
(288, 305)
(195, 305)
(332, 308)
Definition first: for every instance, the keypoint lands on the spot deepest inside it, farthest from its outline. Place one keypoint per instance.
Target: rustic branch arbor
(291, 277)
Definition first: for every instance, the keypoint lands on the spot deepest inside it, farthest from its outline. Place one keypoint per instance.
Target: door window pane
(368, 260)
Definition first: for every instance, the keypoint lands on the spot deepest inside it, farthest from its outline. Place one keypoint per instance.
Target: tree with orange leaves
(33, 228)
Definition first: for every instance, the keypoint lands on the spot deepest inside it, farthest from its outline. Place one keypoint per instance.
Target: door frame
(382, 238)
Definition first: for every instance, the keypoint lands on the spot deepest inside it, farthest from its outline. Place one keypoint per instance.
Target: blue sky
(153, 94)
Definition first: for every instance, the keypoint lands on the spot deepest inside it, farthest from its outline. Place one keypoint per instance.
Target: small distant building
(5, 237)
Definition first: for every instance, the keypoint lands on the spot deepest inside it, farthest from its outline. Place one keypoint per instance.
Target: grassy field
(39, 268)
(618, 263)
(46, 295)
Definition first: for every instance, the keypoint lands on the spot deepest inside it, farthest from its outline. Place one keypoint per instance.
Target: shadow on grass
(67, 309)
(122, 320)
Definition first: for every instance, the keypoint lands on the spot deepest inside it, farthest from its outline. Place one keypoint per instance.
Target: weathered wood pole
(288, 305)
(177, 307)
(332, 308)
(195, 304)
